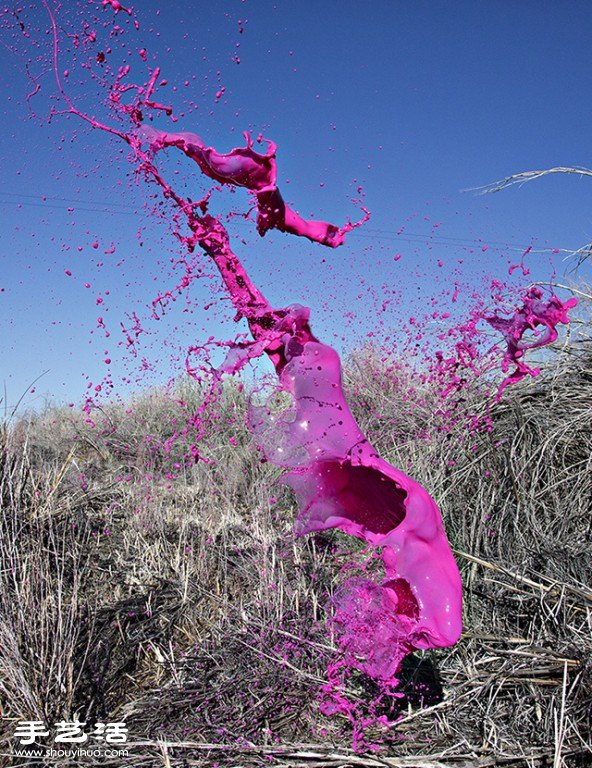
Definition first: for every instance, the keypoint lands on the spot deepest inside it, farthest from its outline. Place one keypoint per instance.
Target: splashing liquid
(533, 313)
(530, 324)
(243, 167)
(339, 480)
(337, 476)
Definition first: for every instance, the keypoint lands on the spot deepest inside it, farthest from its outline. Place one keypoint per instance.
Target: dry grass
(177, 600)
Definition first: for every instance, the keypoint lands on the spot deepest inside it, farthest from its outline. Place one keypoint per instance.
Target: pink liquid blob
(244, 167)
(341, 482)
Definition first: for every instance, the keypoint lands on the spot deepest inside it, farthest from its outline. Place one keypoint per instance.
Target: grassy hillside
(177, 599)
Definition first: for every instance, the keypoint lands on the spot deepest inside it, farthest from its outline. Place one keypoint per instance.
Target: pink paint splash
(341, 482)
(337, 476)
(243, 167)
(533, 313)
(529, 325)
(117, 6)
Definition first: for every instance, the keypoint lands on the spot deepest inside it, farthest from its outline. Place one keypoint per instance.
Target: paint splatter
(536, 315)
(408, 594)
(341, 482)
(244, 167)
(337, 476)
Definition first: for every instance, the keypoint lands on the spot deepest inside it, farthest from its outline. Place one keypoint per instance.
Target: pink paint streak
(244, 167)
(533, 313)
(117, 6)
(337, 476)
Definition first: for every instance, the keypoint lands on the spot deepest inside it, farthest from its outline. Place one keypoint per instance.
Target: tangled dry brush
(177, 600)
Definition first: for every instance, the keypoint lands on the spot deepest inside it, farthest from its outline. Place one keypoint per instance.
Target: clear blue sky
(412, 102)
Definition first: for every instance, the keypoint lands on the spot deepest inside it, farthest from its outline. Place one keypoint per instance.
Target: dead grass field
(186, 608)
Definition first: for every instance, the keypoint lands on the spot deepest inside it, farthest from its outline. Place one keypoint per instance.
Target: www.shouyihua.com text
(71, 739)
(78, 752)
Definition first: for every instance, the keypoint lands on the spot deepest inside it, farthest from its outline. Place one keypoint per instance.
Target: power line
(61, 207)
(91, 206)
(61, 199)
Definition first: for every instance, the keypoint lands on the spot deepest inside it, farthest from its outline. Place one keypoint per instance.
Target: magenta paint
(536, 315)
(244, 167)
(339, 480)
(337, 476)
